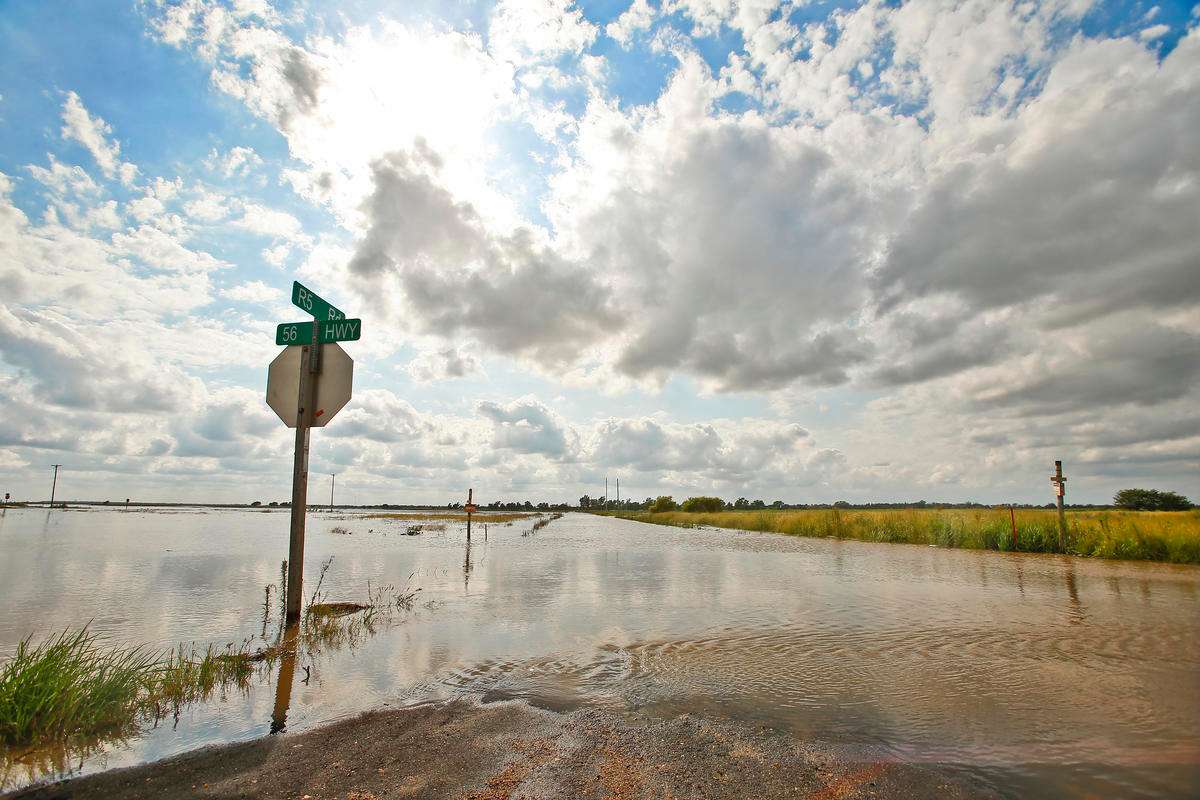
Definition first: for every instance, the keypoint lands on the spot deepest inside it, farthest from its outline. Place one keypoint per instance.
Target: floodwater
(1031, 675)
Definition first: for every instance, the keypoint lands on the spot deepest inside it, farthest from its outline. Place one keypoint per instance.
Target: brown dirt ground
(509, 751)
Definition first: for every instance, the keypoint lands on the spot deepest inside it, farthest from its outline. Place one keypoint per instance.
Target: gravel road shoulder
(510, 751)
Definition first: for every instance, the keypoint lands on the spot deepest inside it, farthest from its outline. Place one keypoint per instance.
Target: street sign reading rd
(337, 330)
(333, 388)
(311, 302)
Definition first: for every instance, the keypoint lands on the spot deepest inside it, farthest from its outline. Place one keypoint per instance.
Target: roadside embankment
(510, 750)
(1169, 536)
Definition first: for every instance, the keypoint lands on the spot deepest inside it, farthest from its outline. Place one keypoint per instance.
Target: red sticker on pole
(471, 508)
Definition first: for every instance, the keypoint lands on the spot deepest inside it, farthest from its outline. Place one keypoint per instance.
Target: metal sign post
(310, 363)
(283, 379)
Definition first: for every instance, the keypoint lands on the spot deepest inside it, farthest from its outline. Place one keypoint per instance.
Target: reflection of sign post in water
(1060, 489)
(306, 387)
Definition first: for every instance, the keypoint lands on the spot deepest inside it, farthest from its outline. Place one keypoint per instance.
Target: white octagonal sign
(333, 383)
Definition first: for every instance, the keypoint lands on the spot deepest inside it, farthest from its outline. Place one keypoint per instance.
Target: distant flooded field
(1031, 674)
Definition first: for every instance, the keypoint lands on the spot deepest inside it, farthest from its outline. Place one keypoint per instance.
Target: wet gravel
(511, 751)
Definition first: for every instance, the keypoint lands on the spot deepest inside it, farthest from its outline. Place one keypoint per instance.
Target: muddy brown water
(1027, 674)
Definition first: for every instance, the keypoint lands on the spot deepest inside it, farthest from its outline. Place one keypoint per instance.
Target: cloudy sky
(792, 250)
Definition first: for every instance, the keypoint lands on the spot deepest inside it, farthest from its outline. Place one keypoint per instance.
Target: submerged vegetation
(453, 516)
(69, 694)
(1144, 535)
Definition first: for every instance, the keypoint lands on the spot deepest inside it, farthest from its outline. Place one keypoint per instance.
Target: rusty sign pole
(310, 367)
(1060, 489)
(470, 507)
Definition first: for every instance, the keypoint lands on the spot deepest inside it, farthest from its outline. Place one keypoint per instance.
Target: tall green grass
(69, 685)
(1144, 535)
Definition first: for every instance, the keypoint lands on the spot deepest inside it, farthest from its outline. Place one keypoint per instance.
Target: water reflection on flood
(1036, 675)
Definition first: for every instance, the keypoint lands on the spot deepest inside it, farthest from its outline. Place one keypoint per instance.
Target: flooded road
(1031, 675)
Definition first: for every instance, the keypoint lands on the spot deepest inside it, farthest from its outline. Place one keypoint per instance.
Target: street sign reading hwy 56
(307, 299)
(336, 330)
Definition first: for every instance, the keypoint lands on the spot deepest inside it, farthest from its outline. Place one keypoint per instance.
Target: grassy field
(1171, 536)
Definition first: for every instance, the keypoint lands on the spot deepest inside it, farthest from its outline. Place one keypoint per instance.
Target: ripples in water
(1035, 675)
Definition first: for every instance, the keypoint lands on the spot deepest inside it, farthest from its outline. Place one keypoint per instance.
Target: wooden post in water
(470, 511)
(310, 366)
(1013, 517)
(1060, 489)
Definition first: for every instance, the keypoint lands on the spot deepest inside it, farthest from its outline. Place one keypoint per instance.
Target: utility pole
(332, 481)
(1060, 489)
(54, 485)
(606, 491)
(618, 492)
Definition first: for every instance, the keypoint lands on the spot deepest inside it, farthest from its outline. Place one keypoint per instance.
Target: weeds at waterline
(1170, 536)
(68, 686)
(69, 695)
(453, 516)
(541, 523)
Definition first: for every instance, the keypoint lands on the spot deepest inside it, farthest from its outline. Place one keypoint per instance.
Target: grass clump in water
(71, 686)
(453, 516)
(184, 679)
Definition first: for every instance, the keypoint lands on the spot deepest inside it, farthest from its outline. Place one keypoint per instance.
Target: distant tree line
(1131, 499)
(1128, 499)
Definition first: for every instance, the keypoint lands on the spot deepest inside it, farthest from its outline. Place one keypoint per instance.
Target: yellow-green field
(1172, 536)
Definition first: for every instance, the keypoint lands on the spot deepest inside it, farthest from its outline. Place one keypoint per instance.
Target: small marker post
(1060, 489)
(470, 508)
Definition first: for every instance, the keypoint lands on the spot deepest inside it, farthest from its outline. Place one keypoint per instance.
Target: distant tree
(703, 504)
(1150, 500)
(663, 503)
(256, 504)
(741, 503)
(841, 504)
(758, 504)
(585, 502)
(777, 504)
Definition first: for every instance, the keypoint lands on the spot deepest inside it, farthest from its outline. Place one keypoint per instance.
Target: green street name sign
(307, 299)
(337, 330)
